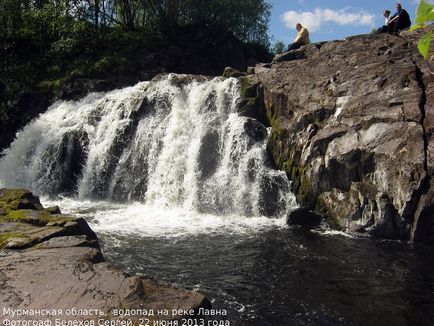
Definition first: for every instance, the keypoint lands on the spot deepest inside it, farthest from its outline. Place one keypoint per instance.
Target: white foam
(333, 233)
(141, 220)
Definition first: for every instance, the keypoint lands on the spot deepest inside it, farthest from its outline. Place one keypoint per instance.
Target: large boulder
(352, 125)
(303, 217)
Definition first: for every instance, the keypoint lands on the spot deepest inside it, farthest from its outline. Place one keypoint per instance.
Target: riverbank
(52, 262)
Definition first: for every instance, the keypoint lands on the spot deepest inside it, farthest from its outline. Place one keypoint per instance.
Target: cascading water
(175, 143)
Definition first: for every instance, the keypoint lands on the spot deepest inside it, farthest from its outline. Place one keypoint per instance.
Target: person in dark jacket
(400, 20)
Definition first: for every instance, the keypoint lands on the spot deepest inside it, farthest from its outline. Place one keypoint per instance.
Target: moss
(275, 148)
(245, 84)
(5, 237)
(251, 101)
(9, 195)
(23, 216)
(274, 123)
(300, 185)
(305, 191)
(10, 198)
(40, 218)
(287, 166)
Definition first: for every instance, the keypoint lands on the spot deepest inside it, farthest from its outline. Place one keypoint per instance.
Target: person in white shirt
(388, 26)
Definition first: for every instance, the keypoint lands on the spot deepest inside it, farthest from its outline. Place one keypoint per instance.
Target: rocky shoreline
(52, 262)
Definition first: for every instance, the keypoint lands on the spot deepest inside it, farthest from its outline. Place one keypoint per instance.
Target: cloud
(314, 19)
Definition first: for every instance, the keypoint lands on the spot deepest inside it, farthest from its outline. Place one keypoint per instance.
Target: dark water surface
(291, 276)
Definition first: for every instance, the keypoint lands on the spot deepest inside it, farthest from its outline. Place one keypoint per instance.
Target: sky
(330, 19)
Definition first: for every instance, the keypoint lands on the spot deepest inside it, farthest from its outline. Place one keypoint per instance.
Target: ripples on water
(268, 274)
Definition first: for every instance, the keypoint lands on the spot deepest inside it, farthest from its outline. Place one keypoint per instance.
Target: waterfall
(176, 141)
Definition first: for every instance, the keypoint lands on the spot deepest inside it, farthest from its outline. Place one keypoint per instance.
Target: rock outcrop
(352, 125)
(60, 266)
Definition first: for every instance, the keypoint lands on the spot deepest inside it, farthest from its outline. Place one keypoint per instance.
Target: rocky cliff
(352, 125)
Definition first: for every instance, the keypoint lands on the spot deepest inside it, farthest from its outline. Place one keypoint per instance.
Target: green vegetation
(19, 237)
(424, 15)
(43, 43)
(10, 199)
(279, 47)
(39, 218)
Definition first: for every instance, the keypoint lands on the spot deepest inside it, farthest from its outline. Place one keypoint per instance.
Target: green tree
(279, 47)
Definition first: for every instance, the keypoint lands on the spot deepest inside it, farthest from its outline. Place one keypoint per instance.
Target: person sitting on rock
(302, 38)
(387, 27)
(400, 20)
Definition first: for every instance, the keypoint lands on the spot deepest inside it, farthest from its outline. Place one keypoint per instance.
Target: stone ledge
(62, 267)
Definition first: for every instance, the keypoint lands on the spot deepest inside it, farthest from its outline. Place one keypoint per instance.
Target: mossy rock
(18, 235)
(13, 199)
(53, 210)
(39, 218)
(21, 228)
(232, 72)
(339, 206)
(250, 88)
(14, 240)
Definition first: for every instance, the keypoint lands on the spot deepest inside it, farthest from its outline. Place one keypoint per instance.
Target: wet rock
(251, 102)
(69, 162)
(255, 130)
(209, 154)
(250, 88)
(270, 187)
(387, 221)
(303, 217)
(53, 210)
